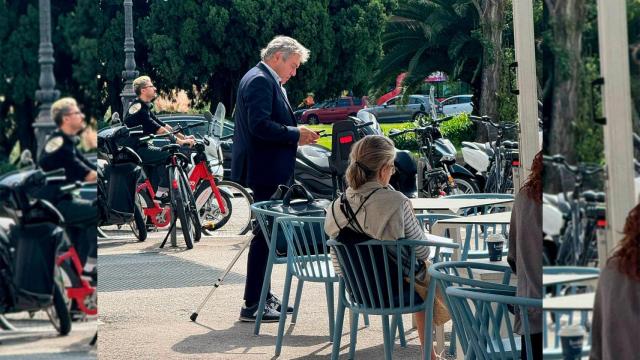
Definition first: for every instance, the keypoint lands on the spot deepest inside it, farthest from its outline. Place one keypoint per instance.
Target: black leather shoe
(250, 313)
(275, 303)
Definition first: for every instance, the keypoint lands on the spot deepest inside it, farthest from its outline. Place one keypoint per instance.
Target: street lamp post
(47, 93)
(129, 73)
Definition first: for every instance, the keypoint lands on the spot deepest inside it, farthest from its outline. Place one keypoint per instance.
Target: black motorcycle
(321, 172)
(438, 172)
(118, 172)
(29, 278)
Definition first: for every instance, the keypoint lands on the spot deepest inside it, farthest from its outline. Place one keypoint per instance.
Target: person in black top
(60, 151)
(139, 113)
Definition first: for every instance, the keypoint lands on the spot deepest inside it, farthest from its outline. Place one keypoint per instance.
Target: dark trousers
(81, 218)
(258, 254)
(154, 161)
(536, 344)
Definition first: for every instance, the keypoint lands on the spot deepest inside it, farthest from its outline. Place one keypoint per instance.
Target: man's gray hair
(287, 46)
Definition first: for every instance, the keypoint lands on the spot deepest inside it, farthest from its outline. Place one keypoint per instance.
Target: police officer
(139, 113)
(60, 151)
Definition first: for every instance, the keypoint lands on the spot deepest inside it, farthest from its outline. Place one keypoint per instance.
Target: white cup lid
(495, 238)
(572, 330)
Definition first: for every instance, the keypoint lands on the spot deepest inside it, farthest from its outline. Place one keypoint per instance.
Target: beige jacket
(381, 216)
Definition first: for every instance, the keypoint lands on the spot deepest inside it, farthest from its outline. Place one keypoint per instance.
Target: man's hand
(188, 141)
(307, 136)
(91, 176)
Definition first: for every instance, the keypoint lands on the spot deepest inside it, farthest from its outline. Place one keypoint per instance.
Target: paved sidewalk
(147, 294)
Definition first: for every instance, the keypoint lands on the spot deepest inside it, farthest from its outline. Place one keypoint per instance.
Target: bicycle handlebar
(485, 119)
(582, 168)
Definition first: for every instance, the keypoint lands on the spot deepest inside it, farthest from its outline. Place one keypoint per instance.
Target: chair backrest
(462, 273)
(266, 218)
(483, 316)
(374, 279)
(307, 249)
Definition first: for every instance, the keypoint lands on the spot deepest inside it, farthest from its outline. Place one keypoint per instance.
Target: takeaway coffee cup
(495, 243)
(571, 338)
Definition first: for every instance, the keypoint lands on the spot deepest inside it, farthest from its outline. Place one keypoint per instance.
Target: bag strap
(348, 212)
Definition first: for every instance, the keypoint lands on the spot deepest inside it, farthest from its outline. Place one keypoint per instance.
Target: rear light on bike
(174, 183)
(602, 223)
(515, 163)
(346, 139)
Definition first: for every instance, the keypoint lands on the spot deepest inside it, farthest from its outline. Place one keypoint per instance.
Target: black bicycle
(505, 157)
(578, 242)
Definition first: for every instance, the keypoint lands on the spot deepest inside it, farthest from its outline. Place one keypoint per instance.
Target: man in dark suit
(264, 149)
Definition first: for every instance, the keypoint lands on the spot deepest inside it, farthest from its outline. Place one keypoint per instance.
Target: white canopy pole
(528, 98)
(614, 67)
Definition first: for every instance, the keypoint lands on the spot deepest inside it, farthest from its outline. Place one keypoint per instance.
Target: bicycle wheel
(178, 204)
(242, 201)
(59, 312)
(210, 213)
(192, 209)
(138, 225)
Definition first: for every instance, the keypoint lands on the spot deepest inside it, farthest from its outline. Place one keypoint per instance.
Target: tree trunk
(492, 22)
(567, 20)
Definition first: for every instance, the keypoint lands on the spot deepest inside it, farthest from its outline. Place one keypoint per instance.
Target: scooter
(29, 277)
(313, 168)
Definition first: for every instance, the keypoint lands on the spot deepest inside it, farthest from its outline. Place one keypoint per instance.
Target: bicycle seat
(171, 148)
(448, 160)
(315, 157)
(593, 196)
(510, 144)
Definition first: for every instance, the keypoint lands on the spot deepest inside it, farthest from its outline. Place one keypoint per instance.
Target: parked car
(393, 111)
(457, 104)
(298, 113)
(334, 110)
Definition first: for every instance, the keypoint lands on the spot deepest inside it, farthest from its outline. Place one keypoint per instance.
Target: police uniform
(153, 159)
(80, 215)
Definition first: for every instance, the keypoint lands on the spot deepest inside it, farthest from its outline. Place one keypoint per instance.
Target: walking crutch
(194, 316)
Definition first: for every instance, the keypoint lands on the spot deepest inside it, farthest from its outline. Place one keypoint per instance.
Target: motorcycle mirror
(394, 131)
(115, 118)
(208, 116)
(26, 158)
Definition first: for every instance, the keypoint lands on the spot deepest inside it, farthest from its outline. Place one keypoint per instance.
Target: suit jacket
(266, 137)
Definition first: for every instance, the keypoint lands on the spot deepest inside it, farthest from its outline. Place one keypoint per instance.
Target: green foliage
(428, 36)
(458, 129)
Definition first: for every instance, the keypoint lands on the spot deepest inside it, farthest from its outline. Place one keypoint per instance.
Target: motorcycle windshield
(445, 147)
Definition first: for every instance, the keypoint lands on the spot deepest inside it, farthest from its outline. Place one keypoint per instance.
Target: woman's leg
(420, 318)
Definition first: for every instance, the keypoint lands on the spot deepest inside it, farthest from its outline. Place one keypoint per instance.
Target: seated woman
(525, 240)
(616, 312)
(381, 212)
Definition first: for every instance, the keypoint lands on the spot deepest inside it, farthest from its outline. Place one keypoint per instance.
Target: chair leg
(353, 334)
(329, 290)
(386, 334)
(399, 325)
(265, 290)
(296, 304)
(283, 314)
(337, 332)
(366, 320)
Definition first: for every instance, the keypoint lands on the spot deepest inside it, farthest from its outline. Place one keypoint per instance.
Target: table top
(454, 204)
(570, 302)
(558, 279)
(493, 276)
(493, 218)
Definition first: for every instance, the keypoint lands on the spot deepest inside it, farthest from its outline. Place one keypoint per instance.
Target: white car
(457, 104)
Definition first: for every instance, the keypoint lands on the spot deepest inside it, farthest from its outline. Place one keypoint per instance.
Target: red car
(334, 110)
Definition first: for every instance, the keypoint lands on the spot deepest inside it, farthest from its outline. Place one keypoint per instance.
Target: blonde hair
(367, 157)
(139, 83)
(61, 108)
(287, 46)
